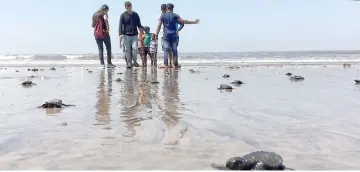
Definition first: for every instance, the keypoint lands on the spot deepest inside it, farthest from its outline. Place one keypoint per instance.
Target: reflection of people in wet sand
(130, 103)
(154, 91)
(103, 103)
(171, 105)
(143, 86)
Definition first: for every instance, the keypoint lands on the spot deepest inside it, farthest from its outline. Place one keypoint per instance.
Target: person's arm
(106, 22)
(182, 21)
(121, 41)
(159, 27)
(181, 27)
(139, 26)
(121, 24)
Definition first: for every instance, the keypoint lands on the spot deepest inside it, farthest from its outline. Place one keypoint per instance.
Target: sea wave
(301, 57)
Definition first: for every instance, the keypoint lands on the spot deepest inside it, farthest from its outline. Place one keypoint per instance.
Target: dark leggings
(100, 43)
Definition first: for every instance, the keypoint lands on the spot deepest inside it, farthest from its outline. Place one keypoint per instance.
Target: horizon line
(269, 51)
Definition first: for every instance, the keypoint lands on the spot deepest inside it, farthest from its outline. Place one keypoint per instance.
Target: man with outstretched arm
(128, 28)
(170, 37)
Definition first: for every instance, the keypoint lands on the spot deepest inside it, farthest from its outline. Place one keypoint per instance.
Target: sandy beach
(181, 123)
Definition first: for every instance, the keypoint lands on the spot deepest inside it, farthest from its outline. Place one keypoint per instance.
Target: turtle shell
(267, 159)
(56, 102)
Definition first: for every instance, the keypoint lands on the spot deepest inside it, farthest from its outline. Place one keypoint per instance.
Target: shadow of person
(103, 103)
(170, 115)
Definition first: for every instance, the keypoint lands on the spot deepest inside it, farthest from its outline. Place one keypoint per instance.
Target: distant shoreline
(280, 51)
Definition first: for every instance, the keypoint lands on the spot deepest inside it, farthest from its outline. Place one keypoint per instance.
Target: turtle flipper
(259, 166)
(66, 105)
(219, 166)
(286, 168)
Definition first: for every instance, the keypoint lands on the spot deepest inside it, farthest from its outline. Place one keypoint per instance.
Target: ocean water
(251, 58)
(184, 122)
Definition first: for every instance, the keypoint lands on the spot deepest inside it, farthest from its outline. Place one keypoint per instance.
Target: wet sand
(183, 122)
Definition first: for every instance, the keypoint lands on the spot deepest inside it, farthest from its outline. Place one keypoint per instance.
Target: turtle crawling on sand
(55, 103)
(226, 76)
(288, 74)
(357, 81)
(27, 83)
(297, 78)
(52, 68)
(259, 160)
(346, 65)
(237, 82)
(225, 87)
(154, 82)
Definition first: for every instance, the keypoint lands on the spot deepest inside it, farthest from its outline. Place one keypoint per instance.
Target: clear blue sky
(64, 26)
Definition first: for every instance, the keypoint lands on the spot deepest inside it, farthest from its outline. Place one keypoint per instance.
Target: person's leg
(127, 44)
(107, 42)
(171, 58)
(166, 45)
(146, 54)
(174, 44)
(100, 45)
(155, 59)
(134, 45)
(141, 52)
(177, 54)
(162, 44)
(151, 59)
(124, 54)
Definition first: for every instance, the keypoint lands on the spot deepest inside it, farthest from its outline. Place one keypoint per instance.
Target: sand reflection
(171, 113)
(103, 104)
(130, 102)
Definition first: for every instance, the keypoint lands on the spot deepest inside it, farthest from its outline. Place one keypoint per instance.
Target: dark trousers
(100, 43)
(170, 44)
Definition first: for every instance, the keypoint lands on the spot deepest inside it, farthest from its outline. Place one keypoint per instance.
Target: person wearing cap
(102, 16)
(170, 35)
(128, 28)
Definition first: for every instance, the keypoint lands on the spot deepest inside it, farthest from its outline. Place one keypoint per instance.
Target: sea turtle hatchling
(225, 87)
(27, 83)
(226, 76)
(237, 82)
(259, 160)
(297, 78)
(55, 103)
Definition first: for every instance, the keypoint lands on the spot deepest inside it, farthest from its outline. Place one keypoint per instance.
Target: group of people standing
(134, 42)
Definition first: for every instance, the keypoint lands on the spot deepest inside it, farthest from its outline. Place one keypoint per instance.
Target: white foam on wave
(182, 61)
